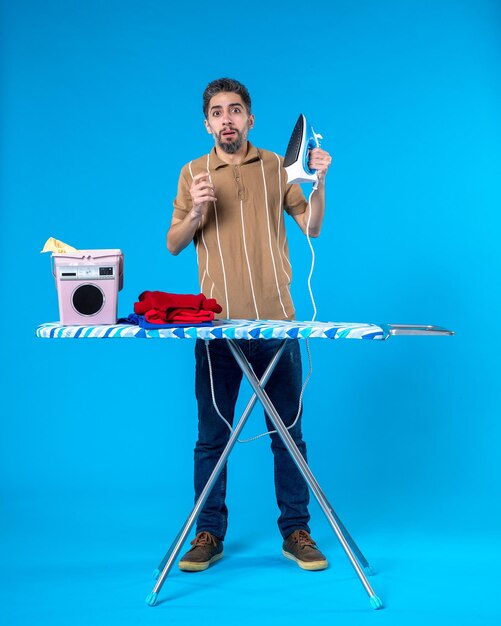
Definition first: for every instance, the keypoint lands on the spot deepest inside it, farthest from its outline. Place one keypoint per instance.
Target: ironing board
(232, 331)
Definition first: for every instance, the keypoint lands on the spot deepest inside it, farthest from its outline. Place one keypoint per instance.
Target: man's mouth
(228, 133)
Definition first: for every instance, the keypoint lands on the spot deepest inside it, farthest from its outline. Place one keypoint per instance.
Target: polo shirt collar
(252, 155)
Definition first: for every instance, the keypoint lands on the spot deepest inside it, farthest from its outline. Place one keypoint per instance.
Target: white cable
(315, 186)
(212, 387)
(270, 432)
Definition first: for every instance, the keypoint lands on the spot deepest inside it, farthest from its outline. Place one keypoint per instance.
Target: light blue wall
(101, 106)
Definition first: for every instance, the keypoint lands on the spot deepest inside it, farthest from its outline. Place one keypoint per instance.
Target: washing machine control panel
(87, 272)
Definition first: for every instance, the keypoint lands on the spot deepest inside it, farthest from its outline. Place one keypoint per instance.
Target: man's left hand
(319, 160)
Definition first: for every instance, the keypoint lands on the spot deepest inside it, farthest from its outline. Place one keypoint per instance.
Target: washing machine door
(87, 299)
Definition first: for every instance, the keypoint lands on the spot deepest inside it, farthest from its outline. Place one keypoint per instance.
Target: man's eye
(215, 113)
(237, 110)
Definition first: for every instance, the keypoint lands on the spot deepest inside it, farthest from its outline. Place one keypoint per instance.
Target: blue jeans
(283, 389)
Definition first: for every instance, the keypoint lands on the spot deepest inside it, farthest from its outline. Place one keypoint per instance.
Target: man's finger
(320, 161)
(200, 176)
(319, 151)
(203, 192)
(203, 199)
(203, 185)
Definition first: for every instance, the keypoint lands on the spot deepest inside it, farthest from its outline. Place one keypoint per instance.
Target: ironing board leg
(364, 563)
(368, 569)
(303, 467)
(166, 564)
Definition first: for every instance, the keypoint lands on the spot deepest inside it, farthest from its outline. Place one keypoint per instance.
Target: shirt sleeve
(294, 201)
(183, 202)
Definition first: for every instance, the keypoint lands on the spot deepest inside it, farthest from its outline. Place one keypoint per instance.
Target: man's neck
(233, 159)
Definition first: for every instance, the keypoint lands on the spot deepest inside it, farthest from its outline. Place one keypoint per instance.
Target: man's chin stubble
(232, 146)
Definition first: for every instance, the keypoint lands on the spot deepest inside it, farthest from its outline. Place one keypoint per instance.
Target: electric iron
(303, 139)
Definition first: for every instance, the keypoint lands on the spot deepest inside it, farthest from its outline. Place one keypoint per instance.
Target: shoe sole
(191, 566)
(310, 566)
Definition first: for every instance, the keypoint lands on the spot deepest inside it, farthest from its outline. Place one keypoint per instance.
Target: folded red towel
(159, 307)
(182, 316)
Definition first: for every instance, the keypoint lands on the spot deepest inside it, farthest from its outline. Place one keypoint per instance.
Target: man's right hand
(202, 193)
(182, 231)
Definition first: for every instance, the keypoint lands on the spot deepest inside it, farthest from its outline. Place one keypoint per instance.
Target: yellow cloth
(54, 245)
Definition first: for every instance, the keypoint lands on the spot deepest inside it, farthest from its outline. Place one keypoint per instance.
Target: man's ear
(251, 121)
(207, 127)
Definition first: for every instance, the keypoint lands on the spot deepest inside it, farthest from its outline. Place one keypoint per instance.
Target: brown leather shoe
(300, 547)
(206, 550)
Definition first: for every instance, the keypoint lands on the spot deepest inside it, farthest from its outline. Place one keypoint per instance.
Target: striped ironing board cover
(222, 329)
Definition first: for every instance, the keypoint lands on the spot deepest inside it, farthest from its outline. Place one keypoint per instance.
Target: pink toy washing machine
(88, 282)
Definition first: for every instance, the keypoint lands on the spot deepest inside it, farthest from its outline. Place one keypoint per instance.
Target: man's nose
(226, 118)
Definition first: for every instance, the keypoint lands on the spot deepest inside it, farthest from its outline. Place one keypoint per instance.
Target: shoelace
(304, 539)
(203, 539)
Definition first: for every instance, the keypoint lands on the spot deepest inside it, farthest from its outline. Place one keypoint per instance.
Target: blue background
(101, 106)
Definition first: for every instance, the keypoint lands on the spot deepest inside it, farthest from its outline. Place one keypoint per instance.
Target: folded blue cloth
(138, 320)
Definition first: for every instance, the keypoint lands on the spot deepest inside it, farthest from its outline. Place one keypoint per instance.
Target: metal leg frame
(303, 468)
(167, 562)
(349, 546)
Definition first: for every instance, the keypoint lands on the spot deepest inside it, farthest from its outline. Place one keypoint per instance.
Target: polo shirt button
(237, 178)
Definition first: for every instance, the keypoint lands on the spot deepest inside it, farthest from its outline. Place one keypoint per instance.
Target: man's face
(228, 121)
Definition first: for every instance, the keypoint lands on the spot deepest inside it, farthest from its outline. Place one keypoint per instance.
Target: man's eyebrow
(233, 104)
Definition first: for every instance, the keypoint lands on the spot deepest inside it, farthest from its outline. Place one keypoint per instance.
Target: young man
(230, 203)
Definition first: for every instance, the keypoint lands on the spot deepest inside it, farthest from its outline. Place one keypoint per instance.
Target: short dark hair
(228, 85)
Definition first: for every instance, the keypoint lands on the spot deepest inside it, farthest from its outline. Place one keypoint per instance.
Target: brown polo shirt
(243, 256)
